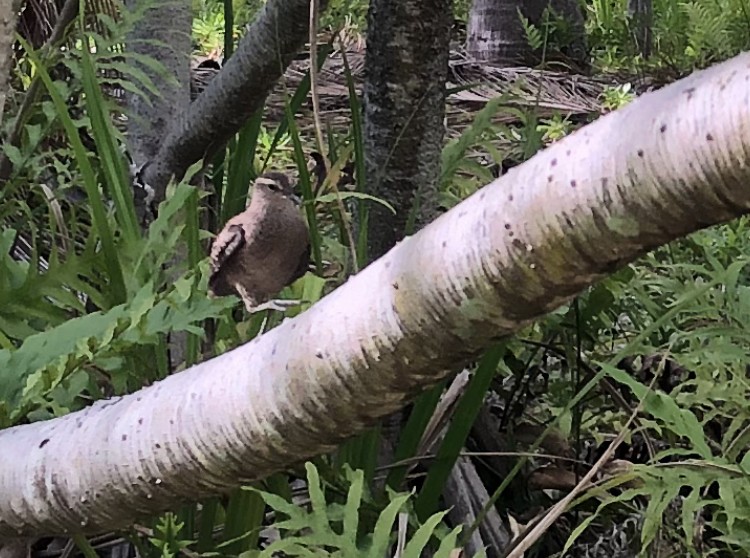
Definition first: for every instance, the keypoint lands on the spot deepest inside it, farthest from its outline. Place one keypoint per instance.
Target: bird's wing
(304, 264)
(227, 243)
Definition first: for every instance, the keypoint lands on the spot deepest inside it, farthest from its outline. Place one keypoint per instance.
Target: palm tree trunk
(495, 32)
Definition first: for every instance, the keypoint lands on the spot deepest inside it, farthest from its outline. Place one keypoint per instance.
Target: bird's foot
(280, 305)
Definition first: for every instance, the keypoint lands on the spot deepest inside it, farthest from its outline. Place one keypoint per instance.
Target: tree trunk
(641, 17)
(495, 32)
(8, 17)
(515, 250)
(152, 117)
(406, 68)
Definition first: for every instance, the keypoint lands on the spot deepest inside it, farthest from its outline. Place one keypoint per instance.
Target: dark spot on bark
(663, 128)
(157, 446)
(605, 181)
(507, 226)
(445, 243)
(510, 198)
(461, 214)
(690, 91)
(573, 183)
(319, 354)
(553, 163)
(273, 351)
(550, 178)
(124, 437)
(709, 137)
(171, 421)
(293, 326)
(387, 265)
(138, 398)
(395, 286)
(482, 195)
(510, 234)
(43, 443)
(517, 243)
(140, 420)
(640, 152)
(567, 153)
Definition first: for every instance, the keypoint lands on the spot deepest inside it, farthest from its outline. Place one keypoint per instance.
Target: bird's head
(276, 184)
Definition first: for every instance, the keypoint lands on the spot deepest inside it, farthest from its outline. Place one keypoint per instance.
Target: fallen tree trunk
(512, 252)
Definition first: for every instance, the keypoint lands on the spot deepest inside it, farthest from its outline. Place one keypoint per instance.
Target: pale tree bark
(8, 18)
(515, 250)
(494, 31)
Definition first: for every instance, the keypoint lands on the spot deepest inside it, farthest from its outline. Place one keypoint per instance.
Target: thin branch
(236, 93)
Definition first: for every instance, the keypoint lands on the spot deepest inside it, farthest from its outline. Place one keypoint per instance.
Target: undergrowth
(91, 309)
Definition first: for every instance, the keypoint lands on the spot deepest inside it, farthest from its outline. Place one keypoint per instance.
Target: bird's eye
(272, 185)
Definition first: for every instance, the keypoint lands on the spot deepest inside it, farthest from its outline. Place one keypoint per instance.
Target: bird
(263, 249)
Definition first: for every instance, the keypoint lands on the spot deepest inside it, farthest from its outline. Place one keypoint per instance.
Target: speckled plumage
(264, 248)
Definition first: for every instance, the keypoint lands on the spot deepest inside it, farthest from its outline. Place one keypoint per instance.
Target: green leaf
(663, 407)
(381, 536)
(319, 519)
(99, 215)
(420, 539)
(331, 197)
(351, 513)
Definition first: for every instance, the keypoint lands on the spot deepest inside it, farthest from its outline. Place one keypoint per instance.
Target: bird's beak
(296, 199)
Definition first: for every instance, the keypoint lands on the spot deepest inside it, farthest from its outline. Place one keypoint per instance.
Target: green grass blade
(458, 431)
(361, 452)
(244, 519)
(307, 193)
(195, 255)
(228, 29)
(412, 433)
(118, 294)
(359, 163)
(109, 155)
(241, 168)
(206, 525)
(299, 97)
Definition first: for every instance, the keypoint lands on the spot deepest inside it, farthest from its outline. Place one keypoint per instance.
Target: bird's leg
(252, 306)
(281, 305)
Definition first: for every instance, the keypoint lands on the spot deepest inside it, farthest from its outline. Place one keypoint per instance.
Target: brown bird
(264, 248)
